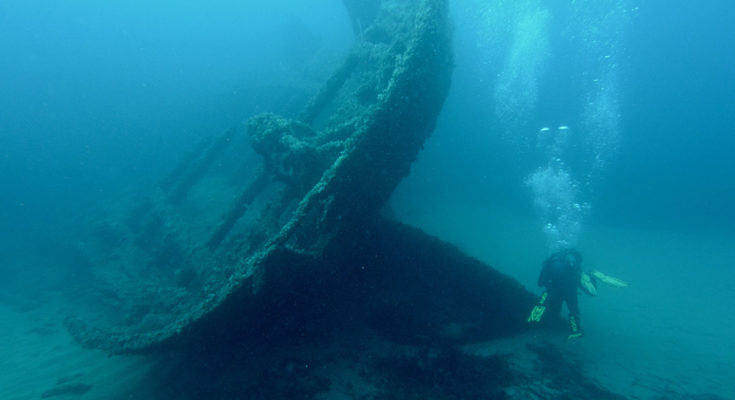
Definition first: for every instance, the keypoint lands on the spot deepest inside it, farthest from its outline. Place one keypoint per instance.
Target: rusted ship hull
(231, 232)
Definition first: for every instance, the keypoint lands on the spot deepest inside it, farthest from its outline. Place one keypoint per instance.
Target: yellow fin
(538, 310)
(536, 313)
(608, 280)
(586, 282)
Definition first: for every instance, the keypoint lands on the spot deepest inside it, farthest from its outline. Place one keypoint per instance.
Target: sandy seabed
(666, 336)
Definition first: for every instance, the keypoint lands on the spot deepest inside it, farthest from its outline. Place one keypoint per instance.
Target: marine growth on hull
(283, 215)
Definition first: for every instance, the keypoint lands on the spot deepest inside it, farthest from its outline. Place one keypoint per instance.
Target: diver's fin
(538, 311)
(587, 283)
(608, 280)
(575, 330)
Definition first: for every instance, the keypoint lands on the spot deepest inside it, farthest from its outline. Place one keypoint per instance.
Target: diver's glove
(538, 310)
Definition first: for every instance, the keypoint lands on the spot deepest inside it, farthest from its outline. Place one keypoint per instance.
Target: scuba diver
(561, 276)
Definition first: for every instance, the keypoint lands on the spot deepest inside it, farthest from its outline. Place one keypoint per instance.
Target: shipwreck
(226, 247)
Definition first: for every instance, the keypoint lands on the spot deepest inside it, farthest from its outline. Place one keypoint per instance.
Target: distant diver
(561, 276)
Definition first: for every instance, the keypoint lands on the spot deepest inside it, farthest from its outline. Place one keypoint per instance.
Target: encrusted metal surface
(229, 222)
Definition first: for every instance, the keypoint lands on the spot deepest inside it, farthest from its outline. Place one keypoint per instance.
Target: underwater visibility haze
(604, 126)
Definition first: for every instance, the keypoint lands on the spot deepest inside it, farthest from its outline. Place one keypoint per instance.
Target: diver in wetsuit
(561, 275)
